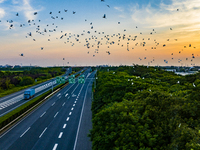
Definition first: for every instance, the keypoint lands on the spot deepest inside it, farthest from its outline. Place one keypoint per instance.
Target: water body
(186, 73)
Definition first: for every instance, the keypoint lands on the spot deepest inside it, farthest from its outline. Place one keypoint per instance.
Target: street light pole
(52, 86)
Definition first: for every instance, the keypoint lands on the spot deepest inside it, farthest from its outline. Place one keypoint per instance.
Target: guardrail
(12, 117)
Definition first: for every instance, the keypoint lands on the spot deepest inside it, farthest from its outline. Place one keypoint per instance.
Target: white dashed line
(25, 132)
(64, 126)
(73, 104)
(42, 133)
(56, 114)
(53, 103)
(67, 119)
(55, 146)
(72, 108)
(60, 135)
(43, 114)
(63, 104)
(66, 95)
(70, 113)
(74, 101)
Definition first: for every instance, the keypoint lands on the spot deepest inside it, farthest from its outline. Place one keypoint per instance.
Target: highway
(60, 123)
(12, 101)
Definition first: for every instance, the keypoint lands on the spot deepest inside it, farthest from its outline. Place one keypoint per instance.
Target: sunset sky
(120, 42)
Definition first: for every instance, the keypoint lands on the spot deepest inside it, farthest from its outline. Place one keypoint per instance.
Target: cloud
(119, 9)
(28, 10)
(167, 15)
(15, 1)
(1, 1)
(2, 13)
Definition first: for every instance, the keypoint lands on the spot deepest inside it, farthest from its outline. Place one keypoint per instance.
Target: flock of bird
(95, 39)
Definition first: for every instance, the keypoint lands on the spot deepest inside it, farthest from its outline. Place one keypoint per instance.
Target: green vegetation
(146, 109)
(13, 80)
(6, 119)
(9, 117)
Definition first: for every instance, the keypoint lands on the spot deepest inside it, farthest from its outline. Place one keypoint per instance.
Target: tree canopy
(145, 108)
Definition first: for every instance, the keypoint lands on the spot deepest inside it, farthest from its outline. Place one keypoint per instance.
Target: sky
(95, 32)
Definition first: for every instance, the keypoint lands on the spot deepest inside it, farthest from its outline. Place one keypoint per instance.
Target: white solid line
(60, 135)
(75, 88)
(63, 104)
(53, 103)
(64, 126)
(43, 114)
(42, 132)
(55, 146)
(81, 117)
(70, 113)
(67, 119)
(25, 132)
(68, 89)
(56, 114)
(72, 108)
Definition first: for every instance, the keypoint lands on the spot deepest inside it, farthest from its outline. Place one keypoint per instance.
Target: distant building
(17, 66)
(172, 70)
(8, 66)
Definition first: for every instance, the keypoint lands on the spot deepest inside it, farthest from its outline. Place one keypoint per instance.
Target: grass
(12, 71)
(30, 105)
(16, 89)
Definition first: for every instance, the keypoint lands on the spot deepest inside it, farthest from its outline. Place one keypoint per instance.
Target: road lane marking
(72, 108)
(43, 114)
(75, 89)
(67, 119)
(66, 95)
(69, 88)
(58, 94)
(53, 103)
(60, 135)
(25, 132)
(81, 116)
(73, 104)
(42, 132)
(64, 126)
(63, 104)
(74, 101)
(70, 113)
(55, 146)
(73, 95)
(56, 114)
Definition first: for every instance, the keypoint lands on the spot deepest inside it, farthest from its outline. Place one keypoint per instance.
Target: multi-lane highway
(12, 101)
(61, 122)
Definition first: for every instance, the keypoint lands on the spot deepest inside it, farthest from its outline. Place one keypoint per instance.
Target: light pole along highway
(62, 122)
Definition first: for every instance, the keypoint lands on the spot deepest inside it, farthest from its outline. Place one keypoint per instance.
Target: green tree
(26, 80)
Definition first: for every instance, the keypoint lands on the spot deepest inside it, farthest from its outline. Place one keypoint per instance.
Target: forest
(15, 80)
(145, 108)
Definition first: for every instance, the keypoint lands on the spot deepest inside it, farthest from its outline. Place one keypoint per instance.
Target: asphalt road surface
(12, 101)
(61, 123)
